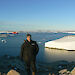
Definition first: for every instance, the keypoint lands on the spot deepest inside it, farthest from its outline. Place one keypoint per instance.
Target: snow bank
(70, 32)
(67, 42)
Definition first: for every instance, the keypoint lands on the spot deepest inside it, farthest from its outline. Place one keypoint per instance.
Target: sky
(34, 15)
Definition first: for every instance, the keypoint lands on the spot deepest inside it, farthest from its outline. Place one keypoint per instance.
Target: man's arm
(37, 48)
(22, 49)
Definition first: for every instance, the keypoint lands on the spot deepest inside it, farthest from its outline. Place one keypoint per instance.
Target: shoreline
(11, 62)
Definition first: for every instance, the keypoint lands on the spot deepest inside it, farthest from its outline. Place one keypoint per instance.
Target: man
(29, 50)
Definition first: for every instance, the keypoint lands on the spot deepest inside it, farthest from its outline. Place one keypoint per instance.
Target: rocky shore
(11, 64)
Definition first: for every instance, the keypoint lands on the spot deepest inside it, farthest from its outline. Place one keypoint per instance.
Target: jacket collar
(28, 41)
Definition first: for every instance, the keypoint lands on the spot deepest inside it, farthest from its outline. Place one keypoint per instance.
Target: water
(13, 45)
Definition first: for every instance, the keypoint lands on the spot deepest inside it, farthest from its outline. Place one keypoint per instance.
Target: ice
(67, 42)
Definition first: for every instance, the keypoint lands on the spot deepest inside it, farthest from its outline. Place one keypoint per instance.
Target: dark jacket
(29, 50)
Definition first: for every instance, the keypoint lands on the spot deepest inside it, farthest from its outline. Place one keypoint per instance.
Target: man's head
(28, 37)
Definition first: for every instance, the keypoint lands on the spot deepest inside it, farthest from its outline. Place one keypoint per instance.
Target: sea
(11, 45)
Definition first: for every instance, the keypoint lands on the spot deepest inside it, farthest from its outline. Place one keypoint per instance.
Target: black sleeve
(22, 49)
(37, 48)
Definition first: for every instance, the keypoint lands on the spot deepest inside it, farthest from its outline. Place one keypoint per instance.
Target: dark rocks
(8, 63)
(66, 72)
(73, 71)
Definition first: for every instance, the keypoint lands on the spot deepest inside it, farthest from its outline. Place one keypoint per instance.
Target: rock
(49, 73)
(3, 74)
(73, 71)
(6, 56)
(13, 72)
(63, 71)
(0, 73)
(60, 67)
(68, 72)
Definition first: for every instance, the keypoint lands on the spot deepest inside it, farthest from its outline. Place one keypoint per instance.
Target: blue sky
(33, 15)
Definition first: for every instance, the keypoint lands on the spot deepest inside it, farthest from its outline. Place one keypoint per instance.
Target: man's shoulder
(33, 41)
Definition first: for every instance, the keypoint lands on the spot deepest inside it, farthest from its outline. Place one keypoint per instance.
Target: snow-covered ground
(67, 42)
(70, 32)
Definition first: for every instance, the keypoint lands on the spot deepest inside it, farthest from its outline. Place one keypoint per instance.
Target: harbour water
(13, 44)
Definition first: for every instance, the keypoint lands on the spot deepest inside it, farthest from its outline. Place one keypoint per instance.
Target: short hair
(28, 35)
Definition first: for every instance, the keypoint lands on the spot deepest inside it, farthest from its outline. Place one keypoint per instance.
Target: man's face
(29, 37)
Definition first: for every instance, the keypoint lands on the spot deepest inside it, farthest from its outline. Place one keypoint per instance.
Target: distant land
(39, 31)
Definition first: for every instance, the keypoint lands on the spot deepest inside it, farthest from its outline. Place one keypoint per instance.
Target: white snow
(70, 32)
(67, 42)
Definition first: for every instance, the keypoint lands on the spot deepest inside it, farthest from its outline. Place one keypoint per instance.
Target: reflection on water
(57, 55)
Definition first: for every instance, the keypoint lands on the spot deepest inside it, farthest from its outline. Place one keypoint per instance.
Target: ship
(4, 32)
